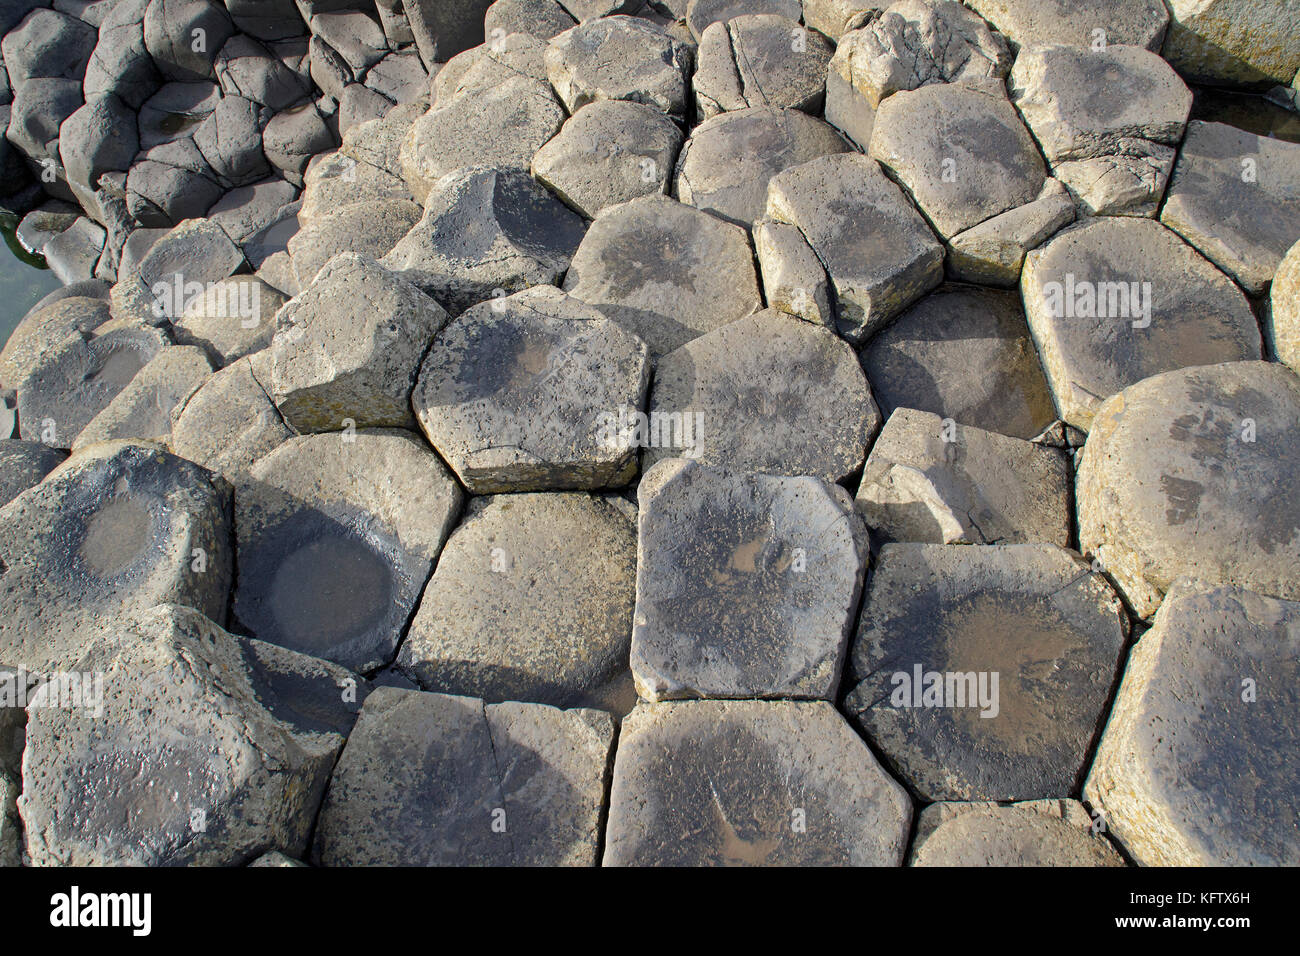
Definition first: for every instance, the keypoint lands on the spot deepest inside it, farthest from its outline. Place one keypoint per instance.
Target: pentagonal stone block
(983, 673)
(1033, 833)
(877, 250)
(1198, 765)
(22, 465)
(348, 348)
(750, 783)
(1112, 301)
(142, 410)
(531, 600)
(923, 360)
(761, 60)
(766, 393)
(1235, 196)
(430, 779)
(940, 483)
(725, 166)
(611, 151)
(336, 536)
(485, 230)
(747, 585)
(960, 151)
(117, 527)
(1080, 23)
(1191, 473)
(665, 271)
(204, 749)
(620, 58)
(524, 393)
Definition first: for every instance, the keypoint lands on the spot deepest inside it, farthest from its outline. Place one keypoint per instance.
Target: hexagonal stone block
(336, 535)
(486, 229)
(620, 58)
(760, 60)
(1077, 22)
(430, 780)
(203, 749)
(960, 150)
(609, 152)
(24, 464)
(348, 348)
(524, 394)
(118, 527)
(750, 783)
(1198, 765)
(531, 600)
(1235, 196)
(191, 256)
(143, 408)
(1112, 301)
(747, 584)
(1192, 472)
(929, 481)
(983, 673)
(923, 359)
(725, 166)
(665, 271)
(1033, 833)
(877, 249)
(766, 393)
(1282, 318)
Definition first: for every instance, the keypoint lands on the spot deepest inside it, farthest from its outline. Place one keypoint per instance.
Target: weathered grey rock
(590, 9)
(277, 272)
(231, 319)
(431, 779)
(41, 225)
(10, 823)
(175, 111)
(293, 137)
(73, 253)
(1235, 196)
(620, 58)
(400, 76)
(360, 104)
(368, 228)
(834, 18)
(120, 64)
(1282, 318)
(701, 13)
(442, 29)
(1034, 833)
(725, 166)
(47, 44)
(277, 859)
(761, 60)
(1130, 181)
(929, 482)
(486, 229)
(177, 49)
(750, 783)
(766, 393)
(1216, 676)
(336, 536)
(531, 600)
(257, 217)
(924, 360)
(993, 253)
(231, 142)
(337, 179)
(794, 280)
(1112, 301)
(665, 271)
(329, 72)
(747, 585)
(178, 268)
(75, 379)
(24, 464)
(348, 347)
(164, 189)
(1081, 23)
(1233, 42)
(1188, 473)
(45, 324)
(142, 410)
(247, 69)
(878, 251)
(98, 138)
(378, 143)
(197, 755)
(941, 623)
(230, 422)
(478, 70)
(116, 528)
(354, 35)
(960, 150)
(524, 394)
(397, 28)
(611, 151)
(540, 18)
(39, 108)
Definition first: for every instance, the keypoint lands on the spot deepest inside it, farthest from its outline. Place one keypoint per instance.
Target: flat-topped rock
(761, 60)
(431, 779)
(939, 483)
(750, 783)
(540, 18)
(1033, 833)
(340, 179)
(524, 394)
(443, 28)
(1235, 196)
(118, 527)
(335, 541)
(1282, 318)
(700, 14)
(665, 271)
(877, 249)
(531, 600)
(175, 269)
(767, 393)
(746, 584)
(231, 319)
(24, 464)
(834, 18)
(794, 280)
(1113, 301)
(45, 324)
(993, 253)
(230, 421)
(1233, 42)
(983, 673)
(1190, 473)
(620, 58)
(1202, 730)
(1080, 23)
(370, 229)
(142, 410)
